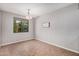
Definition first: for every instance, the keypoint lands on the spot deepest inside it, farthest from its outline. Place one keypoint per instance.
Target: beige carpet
(34, 48)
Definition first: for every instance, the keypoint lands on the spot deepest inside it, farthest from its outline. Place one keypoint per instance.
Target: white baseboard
(60, 46)
(14, 42)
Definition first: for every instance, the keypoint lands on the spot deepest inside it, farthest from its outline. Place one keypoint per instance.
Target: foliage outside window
(20, 25)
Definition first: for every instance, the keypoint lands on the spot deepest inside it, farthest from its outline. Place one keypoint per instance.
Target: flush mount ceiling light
(28, 16)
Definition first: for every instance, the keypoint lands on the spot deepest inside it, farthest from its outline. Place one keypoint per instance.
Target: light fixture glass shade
(28, 17)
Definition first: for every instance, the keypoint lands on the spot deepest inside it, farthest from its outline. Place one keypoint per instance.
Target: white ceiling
(37, 9)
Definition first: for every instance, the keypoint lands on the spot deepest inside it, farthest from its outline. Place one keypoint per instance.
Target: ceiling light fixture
(28, 16)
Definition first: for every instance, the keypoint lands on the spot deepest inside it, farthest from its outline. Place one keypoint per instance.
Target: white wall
(0, 28)
(7, 30)
(64, 28)
(33, 20)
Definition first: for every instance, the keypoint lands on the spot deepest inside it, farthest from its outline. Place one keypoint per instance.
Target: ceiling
(37, 9)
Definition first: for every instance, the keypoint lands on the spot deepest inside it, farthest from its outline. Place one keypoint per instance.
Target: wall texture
(64, 28)
(7, 30)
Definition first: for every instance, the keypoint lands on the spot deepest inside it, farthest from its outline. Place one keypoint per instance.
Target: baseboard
(60, 46)
(14, 42)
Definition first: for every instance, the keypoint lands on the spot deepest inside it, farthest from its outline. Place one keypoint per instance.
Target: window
(20, 25)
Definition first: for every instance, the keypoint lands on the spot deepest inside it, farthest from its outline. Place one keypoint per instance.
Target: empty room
(39, 29)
